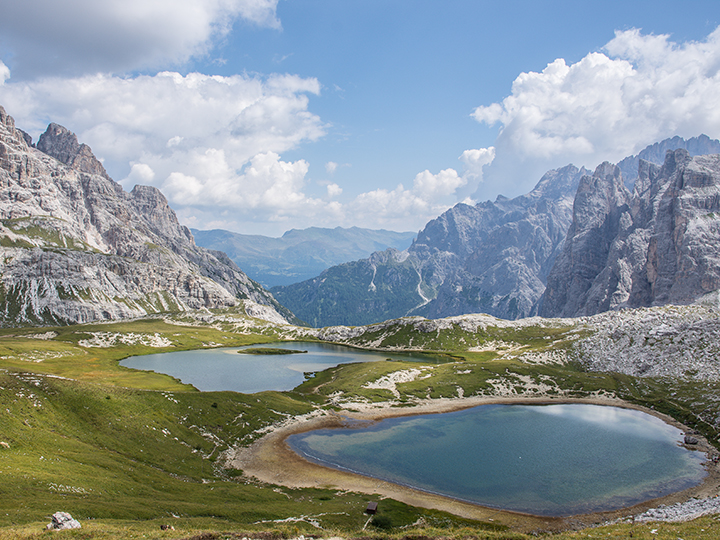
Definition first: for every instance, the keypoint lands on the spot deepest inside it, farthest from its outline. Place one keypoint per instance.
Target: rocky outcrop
(77, 248)
(659, 245)
(61, 521)
(63, 145)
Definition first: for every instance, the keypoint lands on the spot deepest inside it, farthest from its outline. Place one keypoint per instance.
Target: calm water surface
(225, 369)
(552, 460)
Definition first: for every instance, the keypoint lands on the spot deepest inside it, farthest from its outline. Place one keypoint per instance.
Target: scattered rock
(61, 521)
(692, 509)
(689, 439)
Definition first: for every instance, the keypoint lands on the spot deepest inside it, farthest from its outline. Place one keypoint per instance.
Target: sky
(259, 116)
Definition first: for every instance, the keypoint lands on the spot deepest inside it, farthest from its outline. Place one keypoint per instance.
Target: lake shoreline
(271, 460)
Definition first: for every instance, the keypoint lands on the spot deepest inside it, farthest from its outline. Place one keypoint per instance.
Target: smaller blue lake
(219, 369)
(548, 460)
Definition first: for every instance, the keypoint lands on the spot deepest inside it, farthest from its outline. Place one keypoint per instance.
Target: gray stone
(61, 521)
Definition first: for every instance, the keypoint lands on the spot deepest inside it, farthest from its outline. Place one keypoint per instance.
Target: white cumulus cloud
(333, 190)
(610, 104)
(204, 140)
(74, 37)
(475, 160)
(4, 73)
(431, 186)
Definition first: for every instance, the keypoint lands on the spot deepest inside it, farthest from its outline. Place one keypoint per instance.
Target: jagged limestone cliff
(75, 247)
(659, 245)
(494, 257)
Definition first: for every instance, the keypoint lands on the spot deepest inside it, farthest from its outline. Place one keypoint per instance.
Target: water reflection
(553, 460)
(224, 369)
(616, 419)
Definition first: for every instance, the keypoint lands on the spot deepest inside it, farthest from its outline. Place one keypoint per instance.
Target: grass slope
(124, 451)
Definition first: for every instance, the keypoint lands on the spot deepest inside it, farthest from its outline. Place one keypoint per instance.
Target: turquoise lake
(212, 370)
(548, 460)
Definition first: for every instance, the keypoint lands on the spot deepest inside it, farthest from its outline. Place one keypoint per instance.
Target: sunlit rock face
(658, 245)
(496, 257)
(77, 248)
(489, 258)
(514, 245)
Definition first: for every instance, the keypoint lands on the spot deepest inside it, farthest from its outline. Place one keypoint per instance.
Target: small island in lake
(269, 350)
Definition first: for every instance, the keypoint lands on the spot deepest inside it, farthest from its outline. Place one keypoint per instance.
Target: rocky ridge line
(492, 257)
(77, 248)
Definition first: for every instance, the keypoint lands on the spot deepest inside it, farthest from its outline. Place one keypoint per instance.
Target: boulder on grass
(61, 521)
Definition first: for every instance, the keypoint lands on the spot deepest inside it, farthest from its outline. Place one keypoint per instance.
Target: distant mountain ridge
(489, 258)
(494, 257)
(300, 254)
(655, 153)
(75, 247)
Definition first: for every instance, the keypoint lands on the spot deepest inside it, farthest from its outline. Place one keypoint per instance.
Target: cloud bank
(75, 37)
(610, 104)
(214, 145)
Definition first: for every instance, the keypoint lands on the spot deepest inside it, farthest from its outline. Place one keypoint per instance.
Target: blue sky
(259, 116)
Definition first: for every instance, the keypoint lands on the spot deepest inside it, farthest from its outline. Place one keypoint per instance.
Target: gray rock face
(514, 245)
(655, 153)
(63, 145)
(491, 258)
(659, 245)
(495, 257)
(77, 248)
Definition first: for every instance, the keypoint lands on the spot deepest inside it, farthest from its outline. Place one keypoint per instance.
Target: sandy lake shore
(271, 460)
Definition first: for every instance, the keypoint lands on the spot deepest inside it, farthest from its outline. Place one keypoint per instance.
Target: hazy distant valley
(299, 254)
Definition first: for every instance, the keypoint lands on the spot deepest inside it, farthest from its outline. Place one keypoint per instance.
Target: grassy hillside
(125, 451)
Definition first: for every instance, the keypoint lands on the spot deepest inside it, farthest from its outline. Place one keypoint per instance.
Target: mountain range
(495, 257)
(299, 254)
(75, 247)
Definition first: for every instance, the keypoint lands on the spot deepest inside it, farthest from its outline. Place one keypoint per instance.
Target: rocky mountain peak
(492, 258)
(150, 202)
(9, 134)
(7, 120)
(655, 246)
(63, 145)
(655, 153)
(558, 183)
(75, 247)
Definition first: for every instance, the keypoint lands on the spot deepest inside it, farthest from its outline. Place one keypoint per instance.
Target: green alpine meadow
(126, 451)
